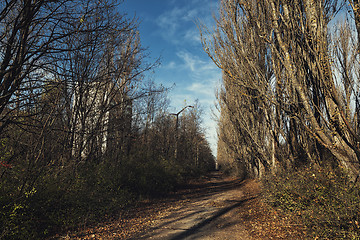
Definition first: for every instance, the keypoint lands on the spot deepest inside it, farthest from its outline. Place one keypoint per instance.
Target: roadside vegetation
(321, 199)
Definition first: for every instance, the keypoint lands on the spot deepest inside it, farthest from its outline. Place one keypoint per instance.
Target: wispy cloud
(170, 65)
(201, 88)
(191, 62)
(203, 78)
(191, 14)
(177, 25)
(197, 65)
(192, 36)
(169, 21)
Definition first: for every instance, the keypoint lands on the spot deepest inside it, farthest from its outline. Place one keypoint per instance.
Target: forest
(83, 131)
(290, 105)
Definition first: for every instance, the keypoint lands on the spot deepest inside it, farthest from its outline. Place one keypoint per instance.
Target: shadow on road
(205, 209)
(212, 184)
(202, 224)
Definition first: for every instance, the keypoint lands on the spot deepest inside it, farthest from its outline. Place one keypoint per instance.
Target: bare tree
(275, 55)
(80, 68)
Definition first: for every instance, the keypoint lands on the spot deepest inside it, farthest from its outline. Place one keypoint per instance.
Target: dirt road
(208, 211)
(214, 207)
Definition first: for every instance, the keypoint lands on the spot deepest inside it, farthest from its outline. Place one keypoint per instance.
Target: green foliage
(321, 197)
(15, 217)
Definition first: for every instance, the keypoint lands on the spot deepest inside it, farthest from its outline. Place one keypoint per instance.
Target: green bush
(323, 198)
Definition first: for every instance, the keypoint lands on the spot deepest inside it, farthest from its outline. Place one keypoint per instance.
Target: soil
(214, 207)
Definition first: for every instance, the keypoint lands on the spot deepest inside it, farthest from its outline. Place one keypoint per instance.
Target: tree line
(290, 86)
(82, 132)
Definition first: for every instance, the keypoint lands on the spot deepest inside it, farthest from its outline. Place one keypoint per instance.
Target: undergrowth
(97, 190)
(323, 199)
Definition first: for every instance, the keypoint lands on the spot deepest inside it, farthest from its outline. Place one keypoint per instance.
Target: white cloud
(169, 21)
(191, 15)
(170, 65)
(201, 88)
(193, 36)
(199, 68)
(178, 24)
(189, 60)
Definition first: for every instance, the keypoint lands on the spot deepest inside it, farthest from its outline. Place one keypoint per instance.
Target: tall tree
(277, 54)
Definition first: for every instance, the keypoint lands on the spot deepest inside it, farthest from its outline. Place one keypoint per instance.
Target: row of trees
(290, 92)
(80, 130)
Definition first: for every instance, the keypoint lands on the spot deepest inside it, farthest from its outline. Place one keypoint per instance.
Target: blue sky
(168, 30)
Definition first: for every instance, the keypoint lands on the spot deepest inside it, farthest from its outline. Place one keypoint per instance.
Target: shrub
(84, 195)
(322, 198)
